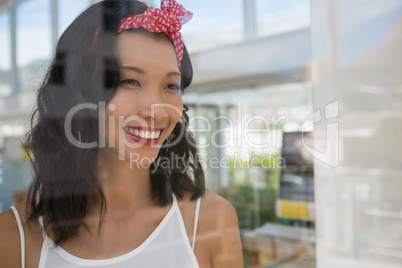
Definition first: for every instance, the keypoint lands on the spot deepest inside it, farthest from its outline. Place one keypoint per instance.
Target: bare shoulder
(10, 241)
(219, 223)
(10, 247)
(216, 207)
(213, 210)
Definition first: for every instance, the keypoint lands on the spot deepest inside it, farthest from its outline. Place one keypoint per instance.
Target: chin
(141, 159)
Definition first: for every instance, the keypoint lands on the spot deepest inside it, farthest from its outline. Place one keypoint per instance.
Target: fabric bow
(168, 20)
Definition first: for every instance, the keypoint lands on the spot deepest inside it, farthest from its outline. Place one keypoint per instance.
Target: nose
(153, 107)
(153, 111)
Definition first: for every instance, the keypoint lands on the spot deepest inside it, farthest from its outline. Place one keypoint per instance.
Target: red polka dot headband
(168, 20)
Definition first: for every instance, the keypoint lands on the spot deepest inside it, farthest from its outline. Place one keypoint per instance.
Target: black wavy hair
(87, 71)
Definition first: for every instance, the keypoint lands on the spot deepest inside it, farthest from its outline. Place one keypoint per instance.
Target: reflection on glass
(68, 10)
(33, 41)
(215, 23)
(5, 52)
(358, 63)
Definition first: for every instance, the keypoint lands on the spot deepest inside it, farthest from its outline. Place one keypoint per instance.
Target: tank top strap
(40, 219)
(47, 241)
(22, 235)
(197, 211)
(174, 199)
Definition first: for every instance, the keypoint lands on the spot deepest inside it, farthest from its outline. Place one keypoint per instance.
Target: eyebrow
(132, 68)
(141, 71)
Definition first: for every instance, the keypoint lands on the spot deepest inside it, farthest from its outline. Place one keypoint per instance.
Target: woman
(117, 179)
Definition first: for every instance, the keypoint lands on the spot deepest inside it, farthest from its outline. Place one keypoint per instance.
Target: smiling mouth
(143, 134)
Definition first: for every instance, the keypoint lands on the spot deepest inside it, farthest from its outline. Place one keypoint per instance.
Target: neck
(125, 187)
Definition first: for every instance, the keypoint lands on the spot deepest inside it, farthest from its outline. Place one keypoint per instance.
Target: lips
(144, 135)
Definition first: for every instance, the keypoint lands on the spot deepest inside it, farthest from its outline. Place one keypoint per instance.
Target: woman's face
(148, 103)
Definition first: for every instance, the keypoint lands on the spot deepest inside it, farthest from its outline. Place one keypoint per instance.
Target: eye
(130, 82)
(174, 87)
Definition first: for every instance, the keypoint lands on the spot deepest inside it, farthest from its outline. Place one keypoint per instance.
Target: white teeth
(144, 134)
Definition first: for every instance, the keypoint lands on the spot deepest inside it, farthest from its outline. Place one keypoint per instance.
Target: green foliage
(242, 199)
(243, 191)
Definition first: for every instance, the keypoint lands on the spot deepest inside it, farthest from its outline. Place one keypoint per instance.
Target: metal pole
(55, 22)
(13, 48)
(255, 180)
(223, 172)
(249, 19)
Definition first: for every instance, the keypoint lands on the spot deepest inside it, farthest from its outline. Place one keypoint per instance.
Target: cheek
(175, 114)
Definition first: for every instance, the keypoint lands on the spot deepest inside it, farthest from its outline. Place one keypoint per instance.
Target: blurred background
(296, 106)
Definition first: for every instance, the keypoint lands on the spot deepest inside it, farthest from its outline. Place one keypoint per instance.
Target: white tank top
(167, 246)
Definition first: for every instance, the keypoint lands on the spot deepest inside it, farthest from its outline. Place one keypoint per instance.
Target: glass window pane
(5, 52)
(215, 23)
(357, 63)
(275, 16)
(68, 10)
(33, 41)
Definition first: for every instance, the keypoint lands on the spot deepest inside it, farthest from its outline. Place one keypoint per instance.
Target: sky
(4, 42)
(354, 39)
(33, 29)
(33, 41)
(217, 23)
